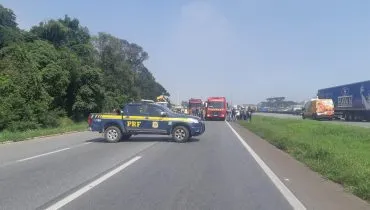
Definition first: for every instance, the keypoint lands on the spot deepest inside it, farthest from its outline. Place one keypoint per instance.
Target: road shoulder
(314, 191)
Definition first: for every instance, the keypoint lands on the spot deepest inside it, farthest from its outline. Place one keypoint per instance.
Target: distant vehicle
(351, 101)
(163, 100)
(263, 109)
(193, 105)
(297, 109)
(146, 100)
(318, 109)
(216, 108)
(145, 118)
(162, 104)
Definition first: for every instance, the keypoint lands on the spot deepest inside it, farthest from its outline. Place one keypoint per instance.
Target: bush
(22, 126)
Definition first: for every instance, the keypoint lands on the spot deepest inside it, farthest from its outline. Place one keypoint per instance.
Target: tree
(7, 17)
(57, 69)
(125, 76)
(9, 32)
(25, 101)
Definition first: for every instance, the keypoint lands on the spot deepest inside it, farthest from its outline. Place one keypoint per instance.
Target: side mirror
(163, 114)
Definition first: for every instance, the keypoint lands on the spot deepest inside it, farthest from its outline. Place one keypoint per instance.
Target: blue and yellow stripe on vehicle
(96, 116)
(120, 117)
(179, 119)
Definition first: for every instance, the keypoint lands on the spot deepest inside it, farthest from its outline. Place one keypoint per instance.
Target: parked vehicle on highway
(296, 109)
(145, 118)
(163, 100)
(351, 101)
(318, 109)
(216, 108)
(195, 104)
(147, 100)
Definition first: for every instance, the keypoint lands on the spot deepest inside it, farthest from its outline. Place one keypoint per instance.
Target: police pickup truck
(145, 118)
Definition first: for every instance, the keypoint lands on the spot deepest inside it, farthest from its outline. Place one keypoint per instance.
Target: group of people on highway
(245, 114)
(199, 112)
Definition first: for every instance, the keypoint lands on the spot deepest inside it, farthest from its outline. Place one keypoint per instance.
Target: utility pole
(231, 100)
(178, 98)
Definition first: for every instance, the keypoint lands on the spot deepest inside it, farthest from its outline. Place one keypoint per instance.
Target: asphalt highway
(80, 171)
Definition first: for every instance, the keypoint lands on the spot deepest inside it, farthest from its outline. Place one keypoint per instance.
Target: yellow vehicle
(318, 109)
(163, 100)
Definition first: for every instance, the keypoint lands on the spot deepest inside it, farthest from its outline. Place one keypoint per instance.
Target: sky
(245, 50)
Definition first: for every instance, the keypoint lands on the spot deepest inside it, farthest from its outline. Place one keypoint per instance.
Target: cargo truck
(351, 101)
(193, 105)
(216, 108)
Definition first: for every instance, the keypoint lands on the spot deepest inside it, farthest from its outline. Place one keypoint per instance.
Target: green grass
(338, 152)
(66, 125)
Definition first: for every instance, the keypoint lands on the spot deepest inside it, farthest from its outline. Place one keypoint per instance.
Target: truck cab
(216, 108)
(145, 118)
(193, 105)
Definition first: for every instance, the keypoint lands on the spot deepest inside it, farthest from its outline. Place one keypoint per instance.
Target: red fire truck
(216, 108)
(193, 105)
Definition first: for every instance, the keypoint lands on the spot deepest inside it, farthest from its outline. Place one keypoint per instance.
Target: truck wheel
(346, 116)
(112, 134)
(126, 136)
(180, 134)
(350, 117)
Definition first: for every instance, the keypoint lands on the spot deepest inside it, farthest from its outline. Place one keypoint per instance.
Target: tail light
(89, 120)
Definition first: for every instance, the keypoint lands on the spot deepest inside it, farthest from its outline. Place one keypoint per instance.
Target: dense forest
(58, 69)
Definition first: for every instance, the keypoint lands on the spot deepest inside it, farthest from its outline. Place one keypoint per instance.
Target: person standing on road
(249, 114)
(227, 114)
(233, 114)
(202, 113)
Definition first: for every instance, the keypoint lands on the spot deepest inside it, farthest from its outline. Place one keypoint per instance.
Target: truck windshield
(216, 104)
(195, 105)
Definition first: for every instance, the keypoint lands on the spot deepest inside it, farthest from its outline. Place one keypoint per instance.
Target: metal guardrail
(281, 112)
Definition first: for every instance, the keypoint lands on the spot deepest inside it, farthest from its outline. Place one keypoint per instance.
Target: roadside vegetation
(58, 70)
(66, 125)
(340, 153)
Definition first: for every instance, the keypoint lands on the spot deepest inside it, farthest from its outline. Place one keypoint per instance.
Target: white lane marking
(48, 153)
(91, 185)
(83, 144)
(56, 151)
(293, 201)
